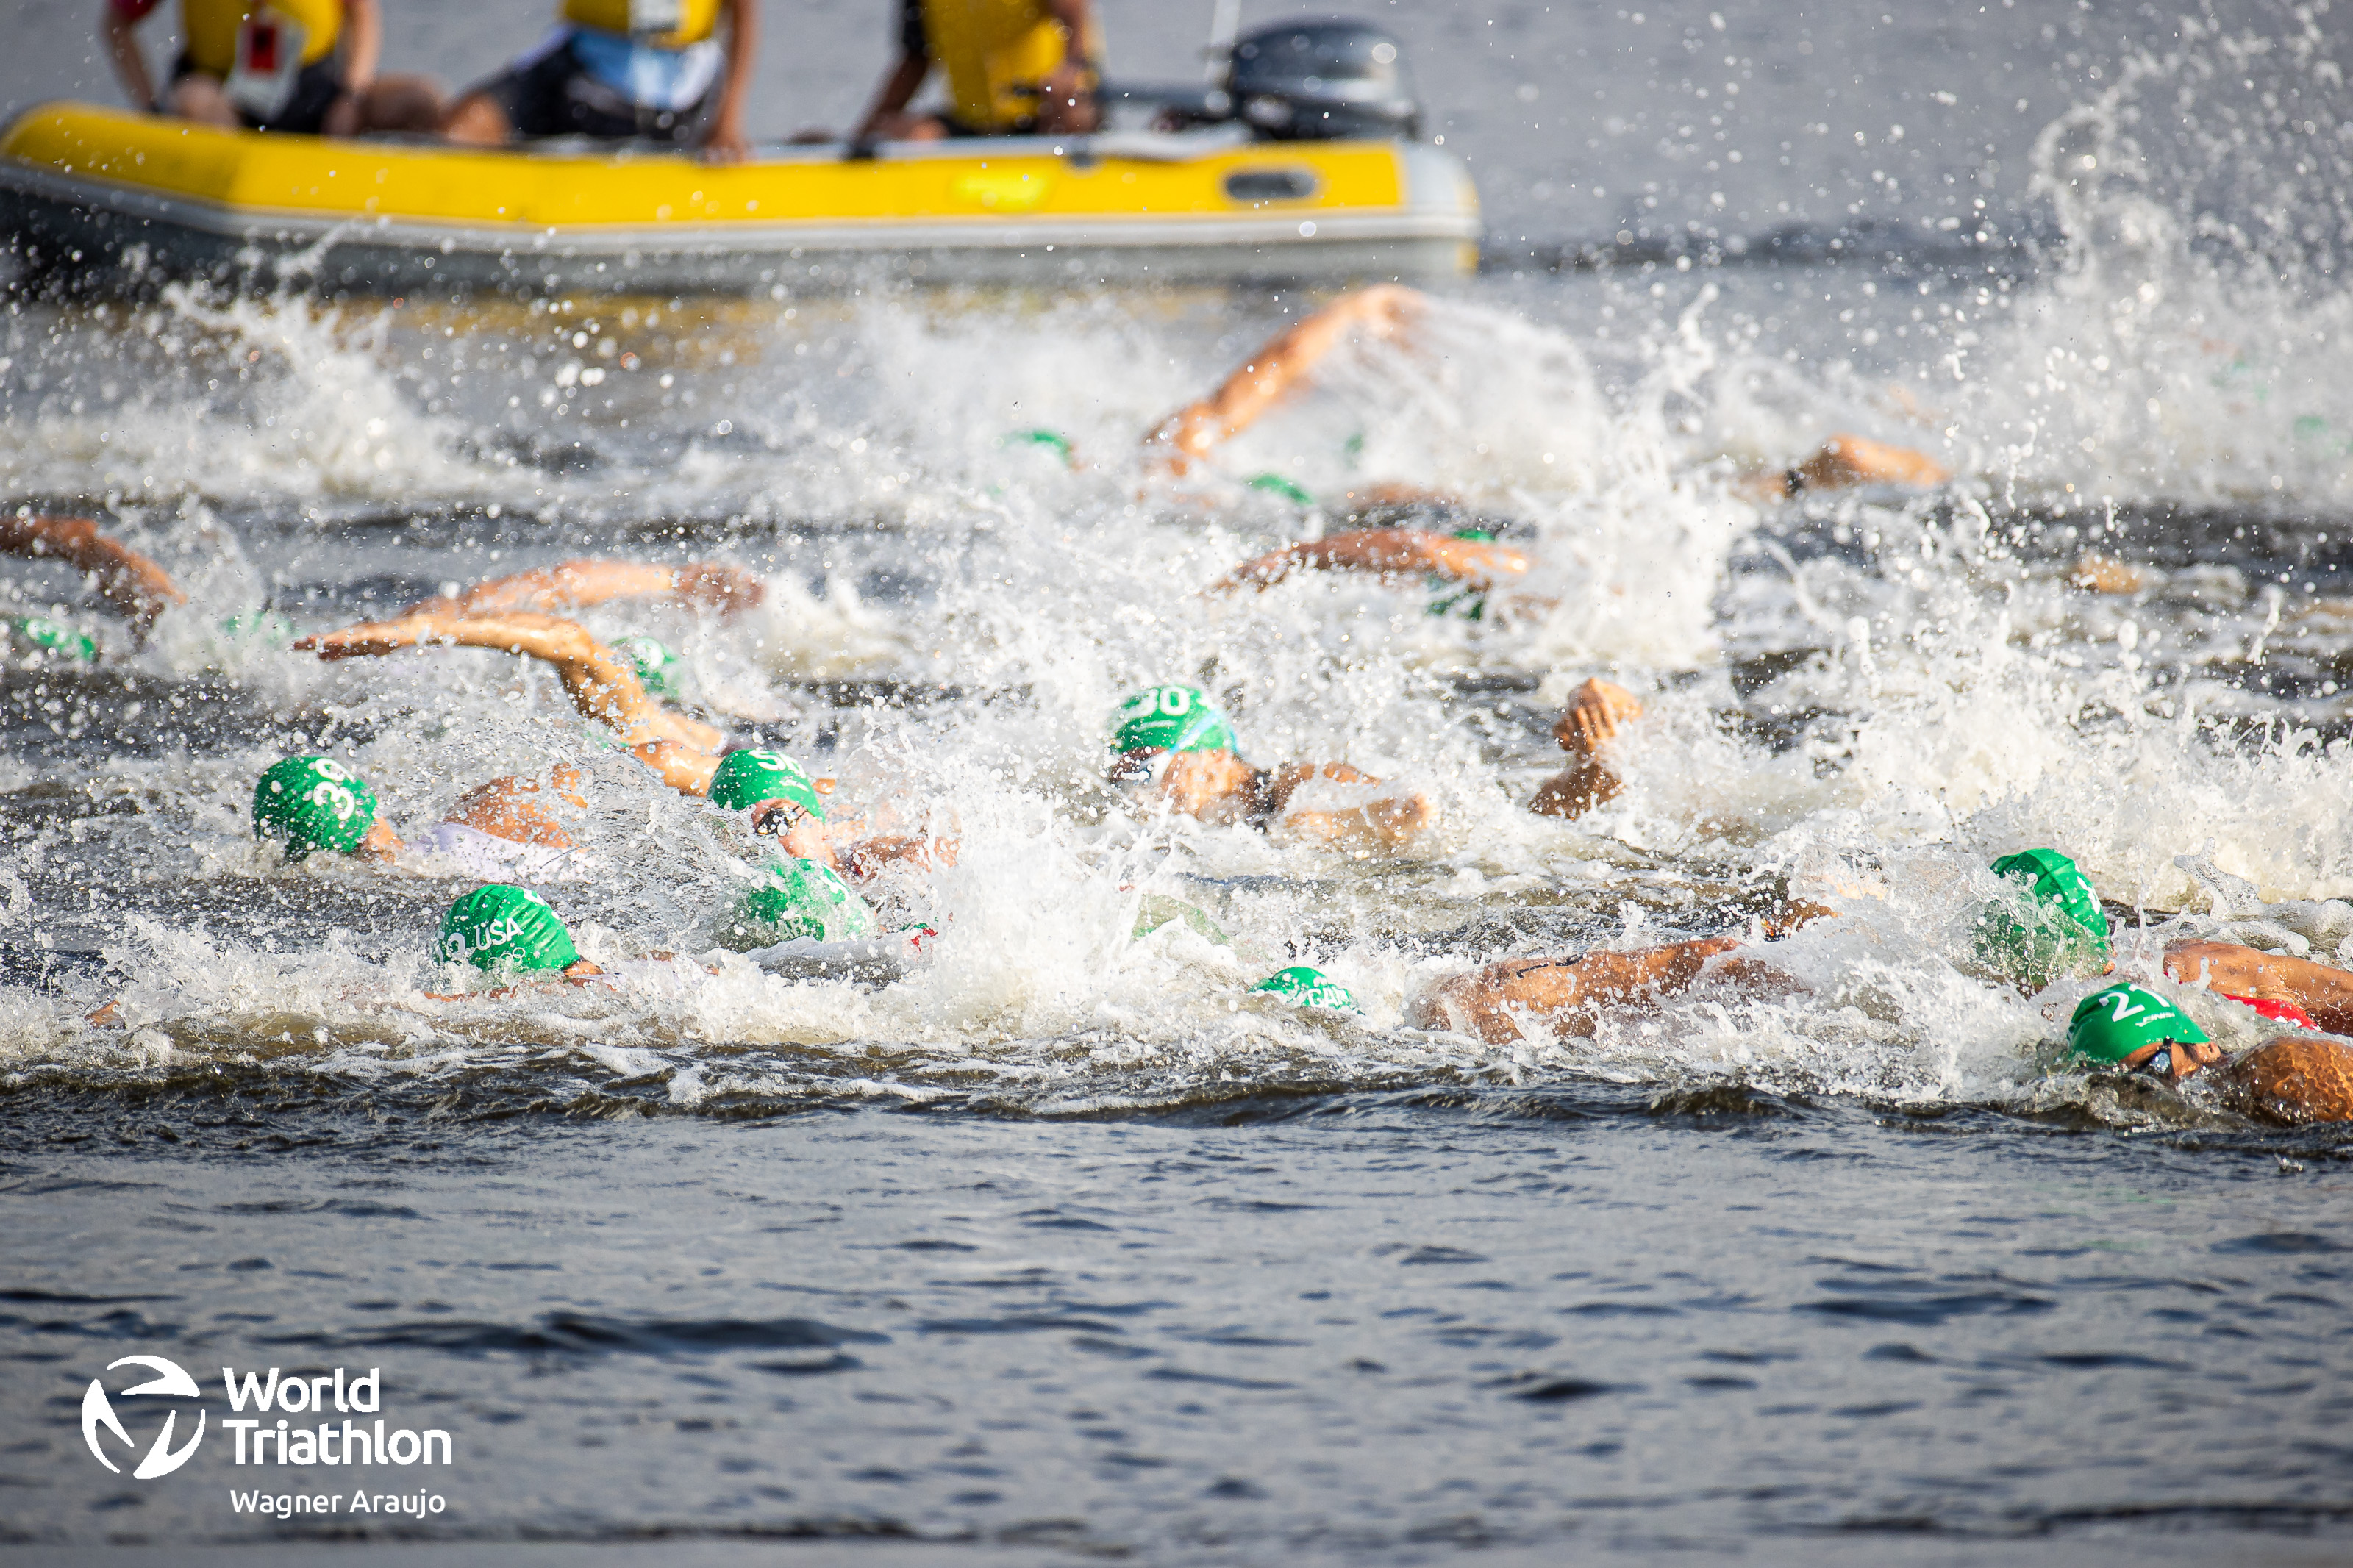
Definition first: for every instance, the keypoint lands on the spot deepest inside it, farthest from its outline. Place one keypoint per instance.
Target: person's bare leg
(1593, 717)
(202, 99)
(477, 120)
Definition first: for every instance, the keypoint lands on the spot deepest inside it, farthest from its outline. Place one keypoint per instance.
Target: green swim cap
(1053, 441)
(267, 627)
(653, 663)
(1174, 719)
(2111, 1025)
(1158, 909)
(52, 637)
(2065, 932)
(313, 803)
(1276, 485)
(797, 898)
(745, 779)
(499, 926)
(1304, 987)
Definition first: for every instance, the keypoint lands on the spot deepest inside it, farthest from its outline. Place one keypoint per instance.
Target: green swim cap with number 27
(2109, 1025)
(313, 803)
(1172, 718)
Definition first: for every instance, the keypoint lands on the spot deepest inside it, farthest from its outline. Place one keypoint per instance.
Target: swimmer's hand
(1383, 552)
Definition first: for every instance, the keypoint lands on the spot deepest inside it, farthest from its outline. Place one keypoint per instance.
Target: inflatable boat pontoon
(98, 193)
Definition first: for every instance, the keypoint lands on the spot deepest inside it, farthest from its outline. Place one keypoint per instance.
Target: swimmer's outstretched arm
(2326, 994)
(1387, 552)
(137, 588)
(576, 584)
(599, 681)
(1844, 461)
(1383, 310)
(1570, 993)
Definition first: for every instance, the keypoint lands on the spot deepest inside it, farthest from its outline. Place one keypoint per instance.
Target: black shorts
(554, 95)
(316, 88)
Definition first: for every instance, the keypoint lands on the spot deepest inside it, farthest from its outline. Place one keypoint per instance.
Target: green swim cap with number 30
(313, 803)
(746, 778)
(1172, 718)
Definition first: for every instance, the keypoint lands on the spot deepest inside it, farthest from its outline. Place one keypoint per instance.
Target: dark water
(1347, 1328)
(1064, 1248)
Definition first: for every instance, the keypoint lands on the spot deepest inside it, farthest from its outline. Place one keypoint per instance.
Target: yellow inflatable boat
(98, 193)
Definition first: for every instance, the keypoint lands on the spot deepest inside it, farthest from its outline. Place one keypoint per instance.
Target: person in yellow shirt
(1015, 68)
(273, 67)
(621, 70)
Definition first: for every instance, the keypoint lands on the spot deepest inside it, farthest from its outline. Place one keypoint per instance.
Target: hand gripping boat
(109, 196)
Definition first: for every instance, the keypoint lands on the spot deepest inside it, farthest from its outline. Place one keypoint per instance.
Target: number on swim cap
(1176, 700)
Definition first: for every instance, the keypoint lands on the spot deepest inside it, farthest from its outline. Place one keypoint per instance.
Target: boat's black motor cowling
(1322, 80)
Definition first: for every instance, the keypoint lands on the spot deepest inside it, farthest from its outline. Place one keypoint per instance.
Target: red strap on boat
(2283, 1011)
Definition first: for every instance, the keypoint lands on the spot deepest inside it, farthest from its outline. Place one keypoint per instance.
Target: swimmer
(2293, 1078)
(510, 932)
(603, 684)
(2059, 929)
(783, 802)
(581, 584)
(503, 829)
(137, 589)
(1387, 311)
(1177, 750)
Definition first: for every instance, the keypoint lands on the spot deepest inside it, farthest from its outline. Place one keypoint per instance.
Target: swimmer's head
(38, 634)
(747, 779)
(1172, 718)
(1304, 987)
(313, 803)
(798, 898)
(658, 669)
(2062, 932)
(2114, 1025)
(499, 927)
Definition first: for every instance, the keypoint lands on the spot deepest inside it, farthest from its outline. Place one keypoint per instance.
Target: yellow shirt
(989, 49)
(211, 27)
(664, 24)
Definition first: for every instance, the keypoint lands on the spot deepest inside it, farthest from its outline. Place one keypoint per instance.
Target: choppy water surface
(1064, 1243)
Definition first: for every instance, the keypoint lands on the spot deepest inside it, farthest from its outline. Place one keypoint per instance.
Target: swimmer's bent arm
(578, 584)
(1383, 310)
(137, 588)
(1387, 552)
(599, 681)
(2325, 994)
(1386, 823)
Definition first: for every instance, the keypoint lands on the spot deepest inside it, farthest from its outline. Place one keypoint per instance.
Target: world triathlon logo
(98, 1411)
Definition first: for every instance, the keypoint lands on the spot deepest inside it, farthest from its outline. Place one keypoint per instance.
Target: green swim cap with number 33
(313, 803)
(1172, 718)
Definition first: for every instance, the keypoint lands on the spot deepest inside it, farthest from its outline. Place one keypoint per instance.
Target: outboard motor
(1322, 80)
